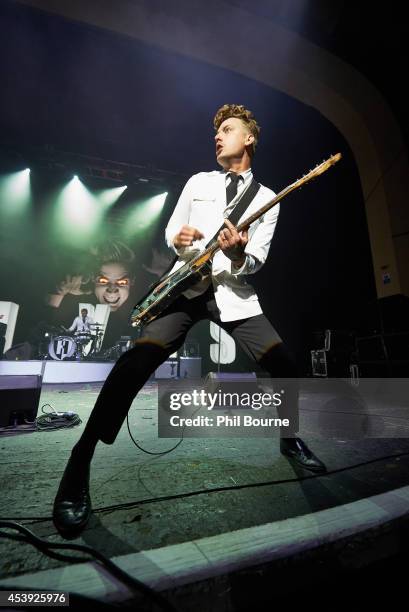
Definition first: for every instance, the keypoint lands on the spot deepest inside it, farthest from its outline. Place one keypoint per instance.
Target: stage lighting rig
(125, 173)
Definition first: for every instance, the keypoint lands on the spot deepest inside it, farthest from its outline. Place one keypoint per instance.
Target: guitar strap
(241, 206)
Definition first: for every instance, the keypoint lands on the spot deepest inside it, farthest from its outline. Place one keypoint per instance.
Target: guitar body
(166, 291)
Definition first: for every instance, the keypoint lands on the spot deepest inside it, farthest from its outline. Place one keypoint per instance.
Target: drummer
(81, 325)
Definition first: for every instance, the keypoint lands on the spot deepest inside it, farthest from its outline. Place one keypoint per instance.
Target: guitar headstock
(320, 168)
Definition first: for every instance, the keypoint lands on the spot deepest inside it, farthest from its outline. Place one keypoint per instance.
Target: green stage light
(155, 204)
(15, 192)
(77, 213)
(144, 214)
(108, 197)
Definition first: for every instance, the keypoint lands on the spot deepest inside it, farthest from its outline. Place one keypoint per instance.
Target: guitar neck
(205, 255)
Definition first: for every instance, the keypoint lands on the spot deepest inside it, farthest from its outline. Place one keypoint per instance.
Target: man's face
(84, 312)
(231, 140)
(112, 285)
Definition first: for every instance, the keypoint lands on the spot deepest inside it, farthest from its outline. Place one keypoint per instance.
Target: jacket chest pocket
(202, 209)
(203, 199)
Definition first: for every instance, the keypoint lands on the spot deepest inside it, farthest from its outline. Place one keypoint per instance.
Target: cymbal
(96, 325)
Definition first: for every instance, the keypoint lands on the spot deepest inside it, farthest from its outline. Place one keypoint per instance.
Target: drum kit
(75, 346)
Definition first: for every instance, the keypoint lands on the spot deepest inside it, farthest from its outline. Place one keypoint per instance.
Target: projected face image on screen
(112, 285)
(106, 272)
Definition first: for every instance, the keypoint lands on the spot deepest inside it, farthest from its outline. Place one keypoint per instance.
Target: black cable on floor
(48, 548)
(160, 452)
(250, 485)
(152, 452)
(56, 420)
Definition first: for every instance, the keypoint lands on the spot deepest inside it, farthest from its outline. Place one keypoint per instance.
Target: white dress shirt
(79, 325)
(202, 204)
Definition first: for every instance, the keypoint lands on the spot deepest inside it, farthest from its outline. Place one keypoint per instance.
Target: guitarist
(223, 297)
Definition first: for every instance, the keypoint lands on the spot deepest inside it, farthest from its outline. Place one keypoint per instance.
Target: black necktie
(231, 189)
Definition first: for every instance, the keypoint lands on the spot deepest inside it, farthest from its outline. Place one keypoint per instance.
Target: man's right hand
(186, 236)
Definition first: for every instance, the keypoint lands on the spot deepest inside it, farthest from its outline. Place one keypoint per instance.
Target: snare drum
(62, 347)
(82, 337)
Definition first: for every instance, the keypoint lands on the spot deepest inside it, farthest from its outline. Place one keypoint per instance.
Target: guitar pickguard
(165, 293)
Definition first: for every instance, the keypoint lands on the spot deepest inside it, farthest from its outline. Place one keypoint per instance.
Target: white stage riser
(59, 371)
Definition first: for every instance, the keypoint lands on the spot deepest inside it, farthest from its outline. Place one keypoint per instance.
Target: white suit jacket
(202, 204)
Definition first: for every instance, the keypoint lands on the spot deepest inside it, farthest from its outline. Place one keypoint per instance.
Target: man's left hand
(233, 243)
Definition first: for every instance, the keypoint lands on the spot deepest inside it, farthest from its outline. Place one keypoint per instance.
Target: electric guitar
(169, 288)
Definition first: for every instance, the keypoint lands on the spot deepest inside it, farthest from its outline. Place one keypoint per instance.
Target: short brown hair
(240, 112)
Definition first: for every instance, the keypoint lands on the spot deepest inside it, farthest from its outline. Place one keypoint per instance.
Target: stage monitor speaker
(19, 398)
(215, 378)
(190, 367)
(19, 352)
(168, 369)
(230, 382)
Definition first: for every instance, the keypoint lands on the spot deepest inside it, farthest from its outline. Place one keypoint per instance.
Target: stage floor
(140, 500)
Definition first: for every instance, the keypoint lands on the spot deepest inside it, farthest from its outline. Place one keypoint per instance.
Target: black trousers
(164, 336)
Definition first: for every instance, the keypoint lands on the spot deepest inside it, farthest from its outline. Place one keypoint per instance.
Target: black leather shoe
(72, 504)
(298, 451)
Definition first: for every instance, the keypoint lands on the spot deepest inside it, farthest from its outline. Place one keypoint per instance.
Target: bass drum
(62, 347)
(85, 342)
